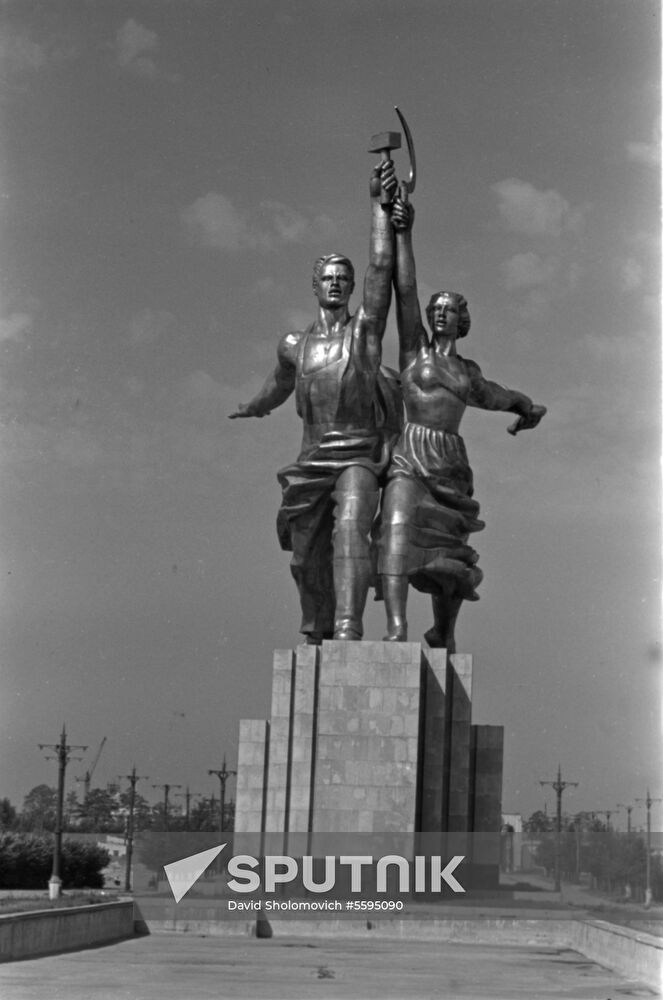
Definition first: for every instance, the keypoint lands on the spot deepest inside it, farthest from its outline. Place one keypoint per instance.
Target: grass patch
(23, 904)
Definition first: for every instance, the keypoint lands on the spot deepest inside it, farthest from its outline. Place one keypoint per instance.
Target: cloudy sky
(169, 172)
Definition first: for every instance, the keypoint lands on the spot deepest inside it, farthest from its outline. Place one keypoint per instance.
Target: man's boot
(394, 592)
(351, 582)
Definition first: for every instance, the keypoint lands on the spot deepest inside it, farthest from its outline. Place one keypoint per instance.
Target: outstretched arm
(411, 331)
(278, 386)
(489, 395)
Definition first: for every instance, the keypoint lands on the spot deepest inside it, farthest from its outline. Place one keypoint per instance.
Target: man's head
(333, 279)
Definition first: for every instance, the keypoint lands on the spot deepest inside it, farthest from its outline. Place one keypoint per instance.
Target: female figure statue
(428, 507)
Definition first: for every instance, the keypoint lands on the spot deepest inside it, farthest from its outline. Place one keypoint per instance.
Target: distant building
(512, 822)
(116, 846)
(114, 843)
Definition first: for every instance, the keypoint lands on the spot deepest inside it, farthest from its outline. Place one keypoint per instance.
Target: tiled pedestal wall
(369, 737)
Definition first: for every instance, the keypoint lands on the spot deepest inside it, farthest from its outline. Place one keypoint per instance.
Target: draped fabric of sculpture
(430, 543)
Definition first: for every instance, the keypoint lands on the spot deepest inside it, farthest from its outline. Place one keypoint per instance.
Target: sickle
(412, 179)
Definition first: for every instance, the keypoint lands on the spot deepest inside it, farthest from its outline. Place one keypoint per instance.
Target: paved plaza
(189, 967)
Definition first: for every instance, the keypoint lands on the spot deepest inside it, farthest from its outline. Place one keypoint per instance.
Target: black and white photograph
(330, 503)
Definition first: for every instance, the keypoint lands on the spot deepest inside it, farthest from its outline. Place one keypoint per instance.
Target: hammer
(383, 143)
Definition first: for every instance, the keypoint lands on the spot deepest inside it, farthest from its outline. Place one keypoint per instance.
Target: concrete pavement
(189, 967)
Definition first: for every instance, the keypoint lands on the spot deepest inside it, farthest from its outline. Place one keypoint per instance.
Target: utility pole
(604, 812)
(132, 779)
(629, 810)
(62, 752)
(559, 787)
(187, 796)
(648, 893)
(608, 845)
(223, 774)
(166, 792)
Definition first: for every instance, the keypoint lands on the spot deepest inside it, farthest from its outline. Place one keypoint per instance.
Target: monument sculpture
(377, 737)
(428, 508)
(350, 413)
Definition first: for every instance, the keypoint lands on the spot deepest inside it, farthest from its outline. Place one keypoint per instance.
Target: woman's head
(449, 303)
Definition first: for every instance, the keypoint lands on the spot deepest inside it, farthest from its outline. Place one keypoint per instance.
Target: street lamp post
(63, 756)
(648, 892)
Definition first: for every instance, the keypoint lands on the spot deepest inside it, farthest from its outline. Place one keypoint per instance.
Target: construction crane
(87, 778)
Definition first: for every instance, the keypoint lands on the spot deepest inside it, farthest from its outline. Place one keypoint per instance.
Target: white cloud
(76, 448)
(536, 303)
(651, 307)
(133, 44)
(290, 226)
(525, 270)
(14, 326)
(646, 153)
(266, 285)
(540, 276)
(135, 386)
(149, 326)
(535, 213)
(631, 274)
(640, 343)
(538, 279)
(199, 388)
(214, 221)
(646, 241)
(20, 54)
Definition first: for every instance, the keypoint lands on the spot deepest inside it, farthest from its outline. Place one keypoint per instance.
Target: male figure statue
(330, 494)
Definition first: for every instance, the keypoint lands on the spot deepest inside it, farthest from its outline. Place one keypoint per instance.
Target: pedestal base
(369, 737)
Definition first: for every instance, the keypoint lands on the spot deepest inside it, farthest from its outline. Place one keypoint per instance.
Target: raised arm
(372, 314)
(279, 385)
(411, 331)
(489, 395)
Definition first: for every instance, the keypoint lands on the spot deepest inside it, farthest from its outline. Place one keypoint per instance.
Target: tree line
(107, 811)
(612, 861)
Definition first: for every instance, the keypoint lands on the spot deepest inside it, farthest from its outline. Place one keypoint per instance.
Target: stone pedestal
(369, 737)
